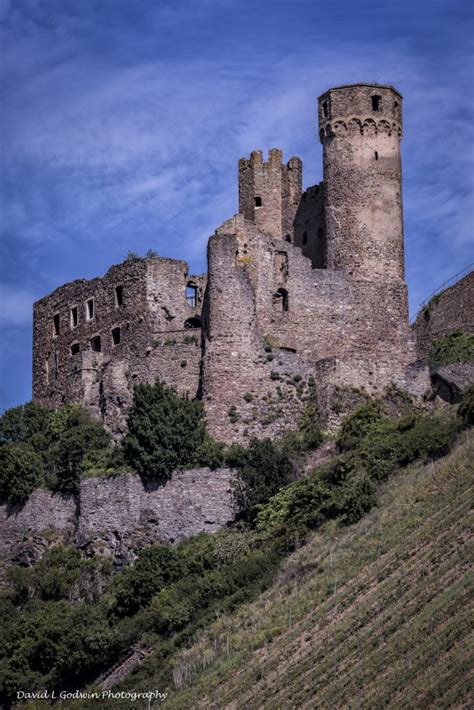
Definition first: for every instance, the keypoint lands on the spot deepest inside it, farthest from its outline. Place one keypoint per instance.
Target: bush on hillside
(165, 431)
(263, 471)
(456, 346)
(21, 471)
(45, 447)
(356, 426)
(466, 408)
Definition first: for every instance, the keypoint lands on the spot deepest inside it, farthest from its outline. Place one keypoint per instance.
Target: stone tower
(360, 127)
(269, 192)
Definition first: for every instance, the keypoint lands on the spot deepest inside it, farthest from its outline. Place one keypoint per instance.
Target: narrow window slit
(116, 336)
(90, 309)
(119, 296)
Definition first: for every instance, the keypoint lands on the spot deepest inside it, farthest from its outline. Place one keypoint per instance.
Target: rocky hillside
(367, 616)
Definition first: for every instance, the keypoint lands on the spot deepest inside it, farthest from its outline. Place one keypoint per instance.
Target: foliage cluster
(165, 431)
(62, 633)
(43, 447)
(456, 346)
(372, 447)
(67, 619)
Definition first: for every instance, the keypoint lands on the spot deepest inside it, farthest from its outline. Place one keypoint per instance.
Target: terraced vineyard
(375, 615)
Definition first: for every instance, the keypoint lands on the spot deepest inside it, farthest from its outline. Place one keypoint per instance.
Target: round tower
(360, 127)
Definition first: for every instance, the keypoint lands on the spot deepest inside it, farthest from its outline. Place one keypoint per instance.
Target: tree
(21, 471)
(165, 431)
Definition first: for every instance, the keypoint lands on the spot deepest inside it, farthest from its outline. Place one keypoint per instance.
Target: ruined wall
(360, 128)
(310, 226)
(148, 329)
(116, 517)
(448, 310)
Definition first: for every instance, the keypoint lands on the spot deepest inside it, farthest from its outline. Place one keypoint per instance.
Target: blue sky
(122, 121)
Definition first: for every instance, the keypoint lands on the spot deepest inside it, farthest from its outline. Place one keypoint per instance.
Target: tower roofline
(351, 86)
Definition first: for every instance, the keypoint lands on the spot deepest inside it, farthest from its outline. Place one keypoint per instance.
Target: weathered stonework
(449, 310)
(146, 327)
(305, 295)
(115, 517)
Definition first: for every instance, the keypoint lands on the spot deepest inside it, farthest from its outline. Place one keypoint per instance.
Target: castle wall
(447, 311)
(115, 517)
(159, 337)
(310, 227)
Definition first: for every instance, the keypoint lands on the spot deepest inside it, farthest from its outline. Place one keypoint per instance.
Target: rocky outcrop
(450, 381)
(115, 517)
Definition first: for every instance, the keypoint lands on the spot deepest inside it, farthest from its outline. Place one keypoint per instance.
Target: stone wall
(148, 329)
(117, 516)
(447, 311)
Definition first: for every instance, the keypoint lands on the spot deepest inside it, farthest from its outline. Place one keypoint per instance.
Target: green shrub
(466, 408)
(356, 425)
(165, 431)
(21, 471)
(157, 566)
(456, 346)
(210, 453)
(78, 436)
(263, 471)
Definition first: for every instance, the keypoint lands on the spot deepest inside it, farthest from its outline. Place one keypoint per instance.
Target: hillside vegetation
(369, 616)
(348, 582)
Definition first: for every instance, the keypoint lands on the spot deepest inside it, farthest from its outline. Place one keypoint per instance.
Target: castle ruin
(304, 297)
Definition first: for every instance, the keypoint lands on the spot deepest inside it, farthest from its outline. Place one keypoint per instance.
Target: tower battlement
(269, 191)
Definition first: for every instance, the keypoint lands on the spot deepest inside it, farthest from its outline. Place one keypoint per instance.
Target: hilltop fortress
(304, 299)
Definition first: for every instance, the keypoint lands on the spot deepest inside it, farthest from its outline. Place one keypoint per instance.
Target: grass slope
(369, 616)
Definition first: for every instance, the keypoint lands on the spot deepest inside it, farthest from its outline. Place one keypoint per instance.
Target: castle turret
(269, 192)
(360, 127)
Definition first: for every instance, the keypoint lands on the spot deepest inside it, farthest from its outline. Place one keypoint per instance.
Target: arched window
(280, 300)
(193, 323)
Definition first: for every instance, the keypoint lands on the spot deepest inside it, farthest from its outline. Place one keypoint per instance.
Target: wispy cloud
(122, 123)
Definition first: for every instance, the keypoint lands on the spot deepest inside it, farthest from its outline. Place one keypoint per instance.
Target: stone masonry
(305, 293)
(115, 517)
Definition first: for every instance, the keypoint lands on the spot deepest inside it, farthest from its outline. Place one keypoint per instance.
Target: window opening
(116, 336)
(280, 300)
(288, 239)
(376, 103)
(191, 295)
(325, 109)
(75, 348)
(376, 155)
(90, 309)
(305, 237)
(320, 232)
(193, 323)
(56, 365)
(74, 315)
(258, 202)
(96, 345)
(119, 296)
(56, 324)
